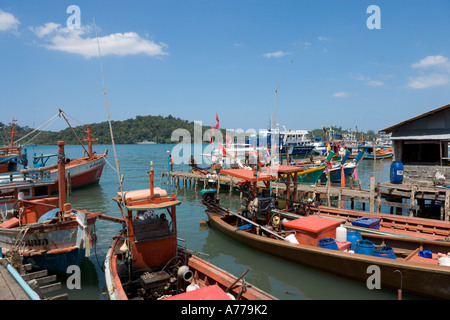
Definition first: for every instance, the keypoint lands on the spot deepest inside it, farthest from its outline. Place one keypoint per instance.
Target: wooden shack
(421, 144)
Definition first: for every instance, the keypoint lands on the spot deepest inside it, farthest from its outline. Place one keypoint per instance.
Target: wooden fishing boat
(341, 170)
(418, 265)
(46, 236)
(12, 156)
(80, 171)
(145, 261)
(377, 152)
(312, 174)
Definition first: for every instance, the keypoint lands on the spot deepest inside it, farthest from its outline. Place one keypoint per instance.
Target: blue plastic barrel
(328, 243)
(353, 236)
(384, 252)
(364, 247)
(396, 174)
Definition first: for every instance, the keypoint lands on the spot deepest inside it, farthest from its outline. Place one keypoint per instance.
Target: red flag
(212, 127)
(209, 137)
(217, 119)
(224, 151)
(226, 140)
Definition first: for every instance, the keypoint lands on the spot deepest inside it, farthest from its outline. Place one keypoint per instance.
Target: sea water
(283, 279)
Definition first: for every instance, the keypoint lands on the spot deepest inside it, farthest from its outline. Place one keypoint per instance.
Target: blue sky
(193, 59)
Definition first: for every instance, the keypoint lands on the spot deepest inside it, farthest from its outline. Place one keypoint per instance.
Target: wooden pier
(38, 281)
(396, 197)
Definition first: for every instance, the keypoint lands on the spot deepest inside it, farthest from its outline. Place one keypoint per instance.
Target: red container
(309, 230)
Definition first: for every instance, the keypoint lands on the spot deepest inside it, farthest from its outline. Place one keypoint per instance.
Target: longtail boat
(377, 152)
(418, 264)
(48, 233)
(313, 174)
(341, 170)
(146, 262)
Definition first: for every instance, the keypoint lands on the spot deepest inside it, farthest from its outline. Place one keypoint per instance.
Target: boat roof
(283, 169)
(146, 205)
(246, 175)
(263, 175)
(153, 206)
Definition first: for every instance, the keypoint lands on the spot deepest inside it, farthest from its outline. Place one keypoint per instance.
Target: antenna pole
(279, 83)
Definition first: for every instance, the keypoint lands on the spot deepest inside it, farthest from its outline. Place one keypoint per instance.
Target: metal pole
(168, 174)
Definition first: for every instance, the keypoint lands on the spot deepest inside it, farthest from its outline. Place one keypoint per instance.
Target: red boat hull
(82, 172)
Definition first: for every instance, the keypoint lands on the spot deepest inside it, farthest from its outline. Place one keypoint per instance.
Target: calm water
(281, 278)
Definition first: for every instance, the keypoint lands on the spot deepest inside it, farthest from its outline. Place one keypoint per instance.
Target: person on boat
(192, 161)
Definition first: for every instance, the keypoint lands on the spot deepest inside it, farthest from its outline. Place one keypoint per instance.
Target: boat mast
(12, 132)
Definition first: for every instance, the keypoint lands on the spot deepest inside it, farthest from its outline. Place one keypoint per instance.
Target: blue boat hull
(296, 150)
(56, 262)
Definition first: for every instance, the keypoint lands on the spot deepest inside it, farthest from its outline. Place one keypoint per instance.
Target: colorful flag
(217, 119)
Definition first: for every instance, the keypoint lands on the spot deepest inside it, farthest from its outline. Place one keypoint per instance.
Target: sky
(321, 63)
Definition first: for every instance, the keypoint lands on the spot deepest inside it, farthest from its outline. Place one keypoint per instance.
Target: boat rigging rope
(46, 124)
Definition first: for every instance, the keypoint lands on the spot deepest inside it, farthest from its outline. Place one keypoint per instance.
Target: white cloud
(433, 61)
(375, 83)
(276, 54)
(8, 21)
(440, 77)
(428, 81)
(320, 38)
(56, 37)
(46, 29)
(367, 80)
(341, 94)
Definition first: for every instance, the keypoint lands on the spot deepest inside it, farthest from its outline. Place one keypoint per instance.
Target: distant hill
(151, 128)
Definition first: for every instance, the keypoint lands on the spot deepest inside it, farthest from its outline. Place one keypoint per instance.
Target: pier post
(447, 205)
(372, 193)
(412, 199)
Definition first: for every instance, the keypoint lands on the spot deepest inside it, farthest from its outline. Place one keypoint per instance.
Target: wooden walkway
(39, 281)
(395, 196)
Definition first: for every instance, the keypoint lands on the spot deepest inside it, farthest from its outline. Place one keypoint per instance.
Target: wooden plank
(34, 275)
(47, 279)
(64, 296)
(50, 287)
(14, 291)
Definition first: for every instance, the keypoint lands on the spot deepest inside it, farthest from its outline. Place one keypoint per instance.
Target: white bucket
(341, 234)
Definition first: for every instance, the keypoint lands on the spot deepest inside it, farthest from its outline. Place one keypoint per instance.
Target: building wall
(425, 174)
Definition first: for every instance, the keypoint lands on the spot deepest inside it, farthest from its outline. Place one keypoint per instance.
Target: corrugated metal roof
(392, 128)
(422, 137)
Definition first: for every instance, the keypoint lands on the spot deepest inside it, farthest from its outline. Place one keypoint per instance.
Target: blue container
(426, 254)
(328, 243)
(364, 247)
(366, 222)
(353, 236)
(245, 227)
(384, 252)
(396, 173)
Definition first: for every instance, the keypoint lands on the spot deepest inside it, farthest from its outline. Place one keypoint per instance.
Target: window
(421, 152)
